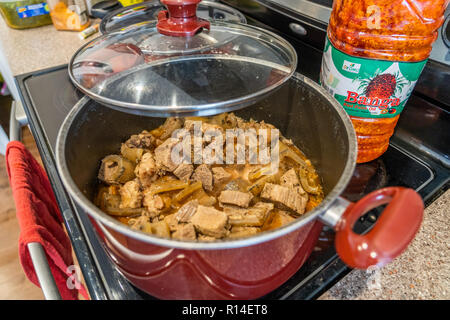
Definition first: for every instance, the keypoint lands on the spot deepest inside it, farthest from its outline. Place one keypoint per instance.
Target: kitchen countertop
(421, 272)
(38, 48)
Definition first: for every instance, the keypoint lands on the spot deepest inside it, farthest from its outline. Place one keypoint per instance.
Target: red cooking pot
(249, 267)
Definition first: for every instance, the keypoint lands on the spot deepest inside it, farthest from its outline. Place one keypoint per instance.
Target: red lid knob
(181, 19)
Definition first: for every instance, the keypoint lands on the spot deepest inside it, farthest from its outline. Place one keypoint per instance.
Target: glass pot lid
(182, 65)
(148, 12)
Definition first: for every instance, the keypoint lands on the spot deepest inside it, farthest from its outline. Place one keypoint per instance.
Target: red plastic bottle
(374, 54)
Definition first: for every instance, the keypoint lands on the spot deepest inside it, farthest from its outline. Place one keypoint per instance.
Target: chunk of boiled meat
(189, 125)
(290, 179)
(254, 216)
(147, 170)
(288, 197)
(173, 224)
(163, 155)
(131, 153)
(116, 169)
(143, 140)
(141, 223)
(185, 232)
(238, 232)
(204, 175)
(230, 121)
(213, 152)
(202, 237)
(160, 228)
(184, 171)
(237, 184)
(130, 195)
(154, 203)
(169, 126)
(220, 175)
(211, 128)
(210, 222)
(204, 127)
(277, 219)
(237, 198)
(185, 213)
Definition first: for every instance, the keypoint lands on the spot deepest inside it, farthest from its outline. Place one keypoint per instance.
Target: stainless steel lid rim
(112, 223)
(213, 108)
(192, 112)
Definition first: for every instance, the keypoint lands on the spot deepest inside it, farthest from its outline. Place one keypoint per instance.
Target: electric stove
(418, 158)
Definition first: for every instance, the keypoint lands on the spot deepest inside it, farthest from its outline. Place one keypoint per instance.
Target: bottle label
(32, 10)
(368, 88)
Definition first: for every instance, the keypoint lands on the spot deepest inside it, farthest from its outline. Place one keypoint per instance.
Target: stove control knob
(298, 29)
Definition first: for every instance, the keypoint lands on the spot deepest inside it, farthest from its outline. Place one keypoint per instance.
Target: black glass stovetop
(418, 158)
(48, 97)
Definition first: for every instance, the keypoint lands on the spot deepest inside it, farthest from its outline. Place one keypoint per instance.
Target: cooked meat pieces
(143, 140)
(131, 153)
(160, 228)
(203, 238)
(153, 202)
(288, 197)
(259, 184)
(237, 198)
(249, 143)
(115, 169)
(231, 210)
(141, 223)
(277, 219)
(211, 128)
(265, 125)
(169, 126)
(210, 222)
(173, 224)
(204, 175)
(232, 185)
(238, 232)
(220, 175)
(237, 184)
(190, 125)
(147, 170)
(163, 155)
(254, 216)
(286, 141)
(130, 195)
(185, 232)
(261, 210)
(148, 182)
(289, 179)
(185, 213)
(230, 121)
(184, 171)
(213, 152)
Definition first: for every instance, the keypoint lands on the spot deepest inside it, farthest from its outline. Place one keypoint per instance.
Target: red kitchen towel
(40, 220)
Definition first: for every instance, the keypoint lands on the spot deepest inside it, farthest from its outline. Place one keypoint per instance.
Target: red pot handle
(180, 19)
(392, 233)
